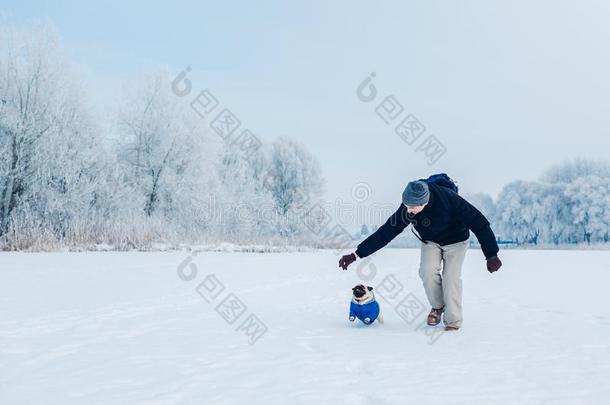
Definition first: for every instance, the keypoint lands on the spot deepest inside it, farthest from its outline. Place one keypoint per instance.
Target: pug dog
(364, 306)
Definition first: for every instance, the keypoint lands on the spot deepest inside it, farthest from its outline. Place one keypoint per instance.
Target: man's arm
(382, 236)
(477, 223)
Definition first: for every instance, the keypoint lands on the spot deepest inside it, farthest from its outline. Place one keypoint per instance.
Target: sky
(508, 88)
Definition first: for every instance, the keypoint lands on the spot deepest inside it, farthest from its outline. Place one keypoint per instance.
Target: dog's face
(362, 293)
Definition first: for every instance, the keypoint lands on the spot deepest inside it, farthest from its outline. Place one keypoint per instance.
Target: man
(443, 220)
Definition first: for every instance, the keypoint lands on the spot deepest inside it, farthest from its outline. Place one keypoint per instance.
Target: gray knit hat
(416, 193)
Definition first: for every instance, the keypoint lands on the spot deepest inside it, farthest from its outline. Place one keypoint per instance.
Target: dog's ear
(369, 288)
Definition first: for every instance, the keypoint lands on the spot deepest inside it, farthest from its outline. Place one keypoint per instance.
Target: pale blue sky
(509, 87)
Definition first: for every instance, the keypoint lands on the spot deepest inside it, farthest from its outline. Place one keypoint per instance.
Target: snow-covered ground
(124, 328)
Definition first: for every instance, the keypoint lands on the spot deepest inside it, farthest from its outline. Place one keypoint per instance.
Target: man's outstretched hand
(493, 264)
(346, 260)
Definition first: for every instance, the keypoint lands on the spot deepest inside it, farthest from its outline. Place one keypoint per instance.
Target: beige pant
(444, 289)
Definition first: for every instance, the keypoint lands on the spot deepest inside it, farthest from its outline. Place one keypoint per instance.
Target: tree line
(160, 176)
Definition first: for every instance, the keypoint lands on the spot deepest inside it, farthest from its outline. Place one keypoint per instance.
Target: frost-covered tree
(553, 217)
(295, 173)
(570, 205)
(246, 211)
(589, 202)
(295, 181)
(515, 215)
(164, 153)
(581, 192)
(50, 168)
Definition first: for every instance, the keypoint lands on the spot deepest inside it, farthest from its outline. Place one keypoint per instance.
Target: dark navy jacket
(369, 310)
(446, 219)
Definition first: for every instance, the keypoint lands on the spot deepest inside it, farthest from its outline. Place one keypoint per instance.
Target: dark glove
(347, 260)
(493, 264)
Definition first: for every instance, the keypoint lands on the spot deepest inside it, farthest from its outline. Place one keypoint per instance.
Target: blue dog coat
(369, 310)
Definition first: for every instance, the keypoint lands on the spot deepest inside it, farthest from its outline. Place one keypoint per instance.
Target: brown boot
(434, 317)
(451, 328)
